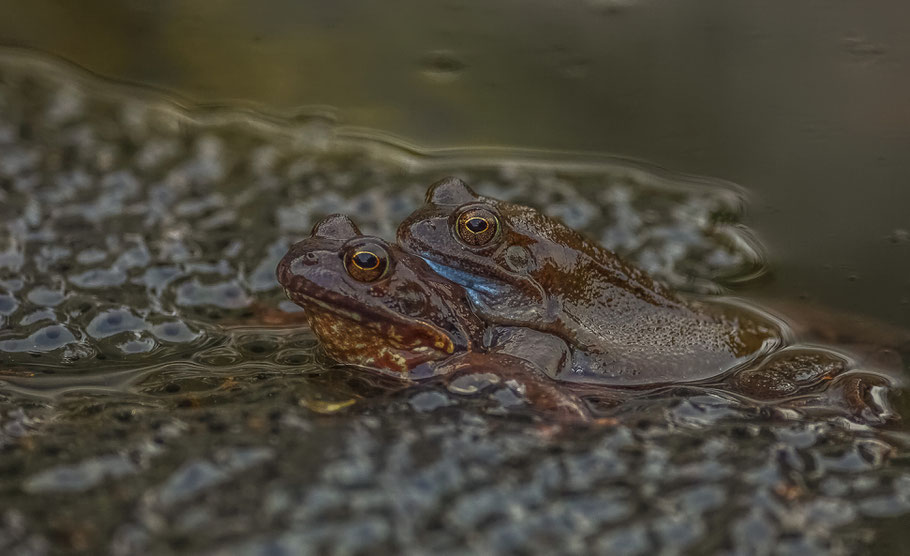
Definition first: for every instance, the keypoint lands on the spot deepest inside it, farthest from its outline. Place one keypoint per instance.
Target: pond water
(151, 404)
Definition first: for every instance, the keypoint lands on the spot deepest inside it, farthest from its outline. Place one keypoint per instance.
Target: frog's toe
(864, 396)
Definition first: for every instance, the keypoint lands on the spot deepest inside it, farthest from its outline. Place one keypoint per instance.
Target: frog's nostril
(297, 265)
(425, 227)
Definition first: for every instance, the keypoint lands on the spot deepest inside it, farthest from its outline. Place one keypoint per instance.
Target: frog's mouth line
(440, 340)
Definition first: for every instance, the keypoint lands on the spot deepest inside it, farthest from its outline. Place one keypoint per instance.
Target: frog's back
(666, 345)
(525, 269)
(627, 328)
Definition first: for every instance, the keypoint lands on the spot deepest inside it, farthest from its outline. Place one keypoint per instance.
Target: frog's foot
(547, 354)
(816, 380)
(789, 372)
(865, 396)
(861, 397)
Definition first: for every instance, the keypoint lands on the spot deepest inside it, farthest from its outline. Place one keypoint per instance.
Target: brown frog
(621, 328)
(374, 306)
(523, 268)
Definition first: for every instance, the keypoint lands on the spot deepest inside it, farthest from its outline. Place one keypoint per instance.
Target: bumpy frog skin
(394, 315)
(526, 269)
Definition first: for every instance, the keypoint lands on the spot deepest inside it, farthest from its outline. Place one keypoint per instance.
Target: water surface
(147, 405)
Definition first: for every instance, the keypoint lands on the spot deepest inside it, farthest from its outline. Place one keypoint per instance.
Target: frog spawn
(676, 473)
(174, 444)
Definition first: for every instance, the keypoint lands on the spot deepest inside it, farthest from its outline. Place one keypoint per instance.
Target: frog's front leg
(542, 394)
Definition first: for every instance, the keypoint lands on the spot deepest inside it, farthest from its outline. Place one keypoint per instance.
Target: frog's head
(370, 303)
(499, 251)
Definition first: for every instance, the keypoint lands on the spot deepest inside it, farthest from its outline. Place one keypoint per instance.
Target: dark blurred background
(803, 103)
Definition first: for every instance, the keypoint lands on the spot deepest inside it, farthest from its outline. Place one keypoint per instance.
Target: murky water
(148, 406)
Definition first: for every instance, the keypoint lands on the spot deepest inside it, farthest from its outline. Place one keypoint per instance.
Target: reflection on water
(141, 368)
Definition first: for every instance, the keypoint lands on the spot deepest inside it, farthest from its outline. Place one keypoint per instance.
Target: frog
(373, 306)
(522, 268)
(623, 329)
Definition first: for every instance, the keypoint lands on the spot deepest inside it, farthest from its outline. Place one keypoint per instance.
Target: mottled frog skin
(374, 306)
(522, 268)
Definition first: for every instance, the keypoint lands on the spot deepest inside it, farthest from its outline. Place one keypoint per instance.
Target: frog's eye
(477, 226)
(366, 263)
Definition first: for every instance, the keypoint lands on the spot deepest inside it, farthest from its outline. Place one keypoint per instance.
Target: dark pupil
(477, 225)
(366, 261)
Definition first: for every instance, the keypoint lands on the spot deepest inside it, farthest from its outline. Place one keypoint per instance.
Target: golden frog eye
(366, 263)
(477, 226)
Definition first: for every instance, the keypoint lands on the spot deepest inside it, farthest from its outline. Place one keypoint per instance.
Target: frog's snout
(416, 235)
(423, 228)
(294, 264)
(299, 265)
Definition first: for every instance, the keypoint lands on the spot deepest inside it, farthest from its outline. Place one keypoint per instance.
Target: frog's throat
(401, 333)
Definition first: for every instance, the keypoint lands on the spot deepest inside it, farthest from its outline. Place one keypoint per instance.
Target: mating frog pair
(477, 284)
